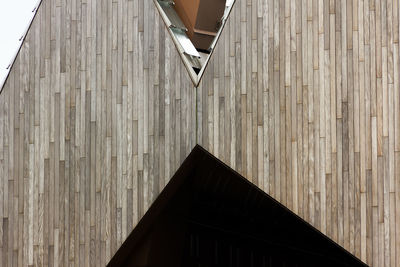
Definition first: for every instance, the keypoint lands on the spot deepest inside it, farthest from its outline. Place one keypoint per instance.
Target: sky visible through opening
(15, 16)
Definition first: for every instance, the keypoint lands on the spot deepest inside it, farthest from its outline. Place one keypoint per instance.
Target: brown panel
(202, 19)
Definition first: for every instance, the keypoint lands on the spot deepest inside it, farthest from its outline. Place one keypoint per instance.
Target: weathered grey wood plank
(301, 97)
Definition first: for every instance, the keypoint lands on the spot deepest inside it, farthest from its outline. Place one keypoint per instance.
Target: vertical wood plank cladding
(88, 108)
(301, 97)
(327, 141)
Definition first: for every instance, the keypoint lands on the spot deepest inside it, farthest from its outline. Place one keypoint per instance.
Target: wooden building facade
(301, 97)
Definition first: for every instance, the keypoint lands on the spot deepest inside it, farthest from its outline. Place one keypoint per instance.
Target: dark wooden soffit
(205, 205)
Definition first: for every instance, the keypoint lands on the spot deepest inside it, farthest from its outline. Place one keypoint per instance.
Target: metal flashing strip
(185, 42)
(168, 8)
(228, 7)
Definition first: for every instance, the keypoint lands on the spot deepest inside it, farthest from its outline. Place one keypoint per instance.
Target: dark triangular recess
(195, 27)
(209, 215)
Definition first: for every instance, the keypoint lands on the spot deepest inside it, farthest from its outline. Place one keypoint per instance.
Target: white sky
(15, 16)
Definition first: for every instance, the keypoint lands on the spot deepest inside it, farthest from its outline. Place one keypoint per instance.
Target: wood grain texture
(301, 97)
(92, 126)
(329, 126)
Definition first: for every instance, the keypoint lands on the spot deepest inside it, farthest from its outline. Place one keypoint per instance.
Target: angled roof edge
(193, 163)
(22, 41)
(148, 219)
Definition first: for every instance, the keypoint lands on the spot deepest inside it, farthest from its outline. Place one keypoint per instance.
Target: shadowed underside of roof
(209, 215)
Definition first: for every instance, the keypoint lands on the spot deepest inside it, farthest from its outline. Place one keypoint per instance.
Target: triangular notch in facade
(195, 27)
(209, 215)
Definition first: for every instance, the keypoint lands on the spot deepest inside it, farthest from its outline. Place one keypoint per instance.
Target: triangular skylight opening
(195, 27)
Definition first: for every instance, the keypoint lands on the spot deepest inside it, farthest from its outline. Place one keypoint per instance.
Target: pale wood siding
(96, 116)
(302, 97)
